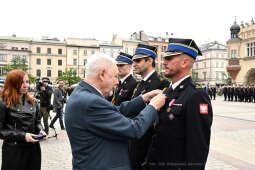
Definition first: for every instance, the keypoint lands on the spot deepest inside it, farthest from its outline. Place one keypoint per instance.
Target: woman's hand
(29, 138)
(43, 133)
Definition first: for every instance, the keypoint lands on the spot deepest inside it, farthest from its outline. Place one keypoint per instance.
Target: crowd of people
(239, 93)
(112, 120)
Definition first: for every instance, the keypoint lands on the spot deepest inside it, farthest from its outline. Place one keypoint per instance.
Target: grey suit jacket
(99, 131)
(58, 98)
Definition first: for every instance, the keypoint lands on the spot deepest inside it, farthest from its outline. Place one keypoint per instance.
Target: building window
(250, 47)
(49, 62)
(38, 61)
(38, 73)
(196, 65)
(217, 64)
(233, 54)
(59, 73)
(84, 74)
(217, 75)
(222, 75)
(60, 62)
(217, 55)
(254, 49)
(1, 70)
(48, 73)
(92, 52)
(38, 50)
(204, 74)
(2, 57)
(60, 51)
(84, 62)
(85, 52)
(204, 64)
(24, 57)
(75, 52)
(48, 50)
(75, 62)
(126, 50)
(222, 64)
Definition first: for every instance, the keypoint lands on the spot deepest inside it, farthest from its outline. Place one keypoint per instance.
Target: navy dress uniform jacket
(182, 137)
(99, 131)
(124, 90)
(152, 83)
(138, 148)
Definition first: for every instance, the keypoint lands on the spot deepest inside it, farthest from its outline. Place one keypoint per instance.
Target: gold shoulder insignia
(181, 86)
(198, 86)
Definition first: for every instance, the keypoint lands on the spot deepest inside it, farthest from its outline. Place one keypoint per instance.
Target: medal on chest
(170, 116)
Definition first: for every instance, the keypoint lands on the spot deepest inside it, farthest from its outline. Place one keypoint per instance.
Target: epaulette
(198, 86)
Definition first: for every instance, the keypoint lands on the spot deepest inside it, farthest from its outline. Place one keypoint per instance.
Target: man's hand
(148, 96)
(158, 101)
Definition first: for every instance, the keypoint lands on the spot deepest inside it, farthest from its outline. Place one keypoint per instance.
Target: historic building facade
(78, 52)
(12, 46)
(48, 58)
(110, 49)
(210, 68)
(241, 53)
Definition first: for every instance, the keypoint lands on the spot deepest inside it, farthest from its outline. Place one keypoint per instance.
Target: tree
(69, 76)
(18, 62)
(194, 75)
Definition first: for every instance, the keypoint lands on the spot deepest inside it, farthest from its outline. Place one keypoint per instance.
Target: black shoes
(51, 126)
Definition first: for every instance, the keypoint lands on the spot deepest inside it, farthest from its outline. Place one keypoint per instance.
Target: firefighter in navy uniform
(144, 65)
(182, 135)
(127, 83)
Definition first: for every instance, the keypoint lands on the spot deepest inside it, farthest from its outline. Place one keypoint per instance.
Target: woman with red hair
(19, 124)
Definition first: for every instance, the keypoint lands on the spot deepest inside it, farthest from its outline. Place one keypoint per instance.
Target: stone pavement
(233, 136)
(232, 140)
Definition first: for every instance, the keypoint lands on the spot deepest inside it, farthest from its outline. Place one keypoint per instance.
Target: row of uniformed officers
(181, 138)
(240, 93)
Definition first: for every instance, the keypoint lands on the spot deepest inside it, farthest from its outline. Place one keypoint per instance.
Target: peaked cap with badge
(124, 58)
(144, 51)
(179, 46)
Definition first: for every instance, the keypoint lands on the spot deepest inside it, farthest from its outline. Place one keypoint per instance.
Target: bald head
(102, 73)
(98, 62)
(189, 61)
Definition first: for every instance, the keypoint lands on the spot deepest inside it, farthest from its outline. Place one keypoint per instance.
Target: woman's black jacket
(16, 121)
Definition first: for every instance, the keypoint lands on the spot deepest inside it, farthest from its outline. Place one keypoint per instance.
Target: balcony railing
(233, 62)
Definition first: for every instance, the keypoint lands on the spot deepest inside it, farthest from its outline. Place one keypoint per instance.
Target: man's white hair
(96, 63)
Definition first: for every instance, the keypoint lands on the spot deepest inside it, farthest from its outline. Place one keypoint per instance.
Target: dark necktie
(169, 90)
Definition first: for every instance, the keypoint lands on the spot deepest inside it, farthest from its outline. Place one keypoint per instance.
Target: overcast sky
(201, 20)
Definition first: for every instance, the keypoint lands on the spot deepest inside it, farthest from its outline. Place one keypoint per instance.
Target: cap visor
(168, 54)
(121, 62)
(139, 56)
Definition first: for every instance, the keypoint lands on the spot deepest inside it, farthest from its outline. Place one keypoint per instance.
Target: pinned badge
(168, 109)
(171, 102)
(144, 91)
(171, 116)
(149, 81)
(181, 86)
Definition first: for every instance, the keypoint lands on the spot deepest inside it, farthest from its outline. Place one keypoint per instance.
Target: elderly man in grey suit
(99, 131)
